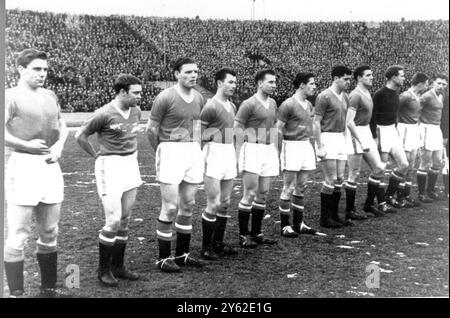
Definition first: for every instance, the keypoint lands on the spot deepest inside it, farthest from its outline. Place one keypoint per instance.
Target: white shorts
(388, 138)
(410, 136)
(335, 146)
(297, 155)
(432, 137)
(354, 147)
(260, 159)
(179, 161)
(30, 180)
(220, 161)
(117, 174)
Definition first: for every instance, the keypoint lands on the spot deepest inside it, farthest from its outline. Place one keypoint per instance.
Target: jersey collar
(303, 104)
(340, 98)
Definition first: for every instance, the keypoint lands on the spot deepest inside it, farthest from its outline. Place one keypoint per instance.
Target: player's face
(187, 76)
(268, 84)
(439, 85)
(367, 78)
(228, 85)
(133, 97)
(400, 78)
(344, 82)
(310, 87)
(35, 73)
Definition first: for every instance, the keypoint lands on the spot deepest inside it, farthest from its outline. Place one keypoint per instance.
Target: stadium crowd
(85, 51)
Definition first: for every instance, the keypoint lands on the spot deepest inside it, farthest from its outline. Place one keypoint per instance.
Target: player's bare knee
(112, 225)
(249, 196)
(49, 235)
(379, 170)
(225, 203)
(425, 165)
(188, 204)
(287, 192)
(17, 240)
(299, 189)
(168, 213)
(437, 165)
(353, 175)
(214, 206)
(261, 195)
(403, 167)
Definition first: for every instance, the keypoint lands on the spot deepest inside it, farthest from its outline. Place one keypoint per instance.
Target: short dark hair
(340, 70)
(419, 78)
(392, 71)
(302, 78)
(441, 76)
(222, 74)
(261, 74)
(28, 55)
(178, 64)
(359, 71)
(123, 81)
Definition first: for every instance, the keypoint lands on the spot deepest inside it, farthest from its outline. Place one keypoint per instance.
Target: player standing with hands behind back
(116, 172)
(297, 157)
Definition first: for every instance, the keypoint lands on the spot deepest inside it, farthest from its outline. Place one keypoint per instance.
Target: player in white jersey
(217, 118)
(116, 172)
(36, 133)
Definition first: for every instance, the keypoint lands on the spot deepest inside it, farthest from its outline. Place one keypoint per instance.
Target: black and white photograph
(240, 150)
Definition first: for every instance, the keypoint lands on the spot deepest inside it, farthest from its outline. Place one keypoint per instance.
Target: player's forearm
(238, 130)
(352, 128)
(238, 134)
(14, 142)
(317, 133)
(280, 133)
(84, 143)
(152, 136)
(63, 134)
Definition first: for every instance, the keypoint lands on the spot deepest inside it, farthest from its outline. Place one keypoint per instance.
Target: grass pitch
(410, 248)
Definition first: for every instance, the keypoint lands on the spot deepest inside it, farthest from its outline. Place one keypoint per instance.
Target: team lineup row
(258, 139)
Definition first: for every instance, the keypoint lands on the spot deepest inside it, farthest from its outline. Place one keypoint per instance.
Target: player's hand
(37, 147)
(140, 128)
(55, 154)
(321, 153)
